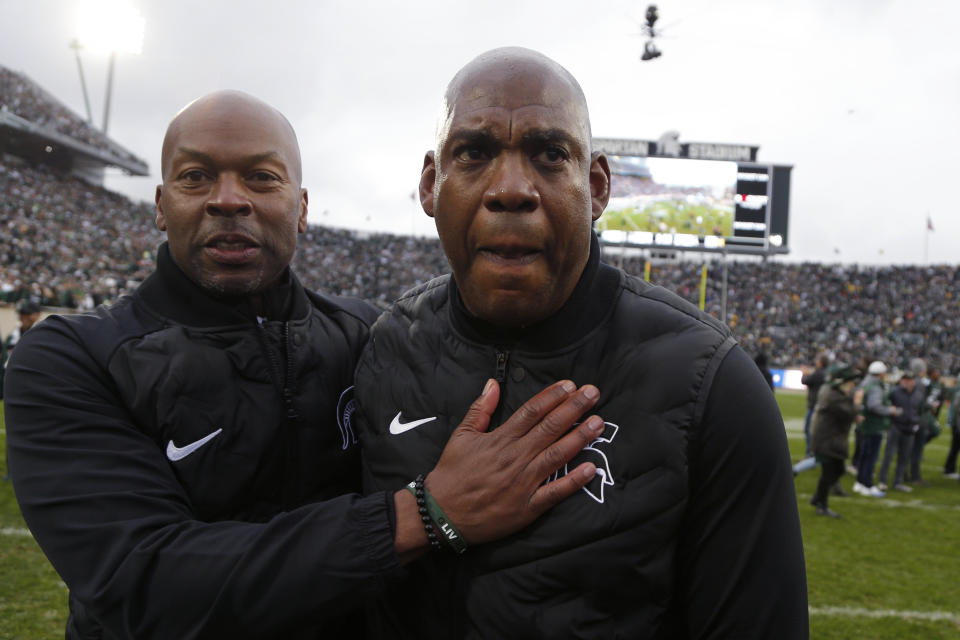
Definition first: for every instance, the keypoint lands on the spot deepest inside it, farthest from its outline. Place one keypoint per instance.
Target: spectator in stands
(876, 421)
(902, 432)
(836, 410)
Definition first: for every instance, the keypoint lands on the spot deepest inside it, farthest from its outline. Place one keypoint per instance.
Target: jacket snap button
(297, 339)
(518, 374)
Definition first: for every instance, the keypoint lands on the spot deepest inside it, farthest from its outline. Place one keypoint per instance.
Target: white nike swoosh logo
(397, 427)
(175, 453)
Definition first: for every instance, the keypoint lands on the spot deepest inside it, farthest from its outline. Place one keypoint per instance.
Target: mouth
(231, 248)
(510, 255)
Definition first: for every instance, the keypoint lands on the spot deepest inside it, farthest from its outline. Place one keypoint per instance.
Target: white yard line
(889, 503)
(14, 531)
(794, 424)
(853, 612)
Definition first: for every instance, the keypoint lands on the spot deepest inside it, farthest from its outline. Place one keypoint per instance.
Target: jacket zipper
(284, 382)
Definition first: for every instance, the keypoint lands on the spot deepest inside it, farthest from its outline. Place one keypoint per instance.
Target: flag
(929, 223)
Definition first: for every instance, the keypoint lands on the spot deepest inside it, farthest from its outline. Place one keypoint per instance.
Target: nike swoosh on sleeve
(397, 427)
(175, 453)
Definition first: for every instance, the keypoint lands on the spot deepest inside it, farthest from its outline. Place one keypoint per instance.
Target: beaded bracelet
(431, 512)
(416, 488)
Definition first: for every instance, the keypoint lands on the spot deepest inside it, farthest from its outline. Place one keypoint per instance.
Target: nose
(511, 189)
(228, 197)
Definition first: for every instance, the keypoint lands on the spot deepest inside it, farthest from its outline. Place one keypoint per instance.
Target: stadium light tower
(110, 26)
(76, 46)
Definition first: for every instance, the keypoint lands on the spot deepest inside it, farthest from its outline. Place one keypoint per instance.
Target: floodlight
(110, 26)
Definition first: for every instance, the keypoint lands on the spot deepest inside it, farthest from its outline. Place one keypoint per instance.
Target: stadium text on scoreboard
(668, 146)
(694, 196)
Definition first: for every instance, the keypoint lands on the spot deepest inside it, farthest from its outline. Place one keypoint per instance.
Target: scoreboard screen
(713, 204)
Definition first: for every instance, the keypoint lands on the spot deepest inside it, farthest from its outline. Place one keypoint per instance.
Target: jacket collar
(587, 306)
(170, 293)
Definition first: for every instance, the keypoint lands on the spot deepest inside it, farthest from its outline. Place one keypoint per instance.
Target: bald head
(499, 72)
(221, 109)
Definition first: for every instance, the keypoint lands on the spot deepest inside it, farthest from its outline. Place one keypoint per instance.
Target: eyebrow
(536, 137)
(482, 137)
(547, 136)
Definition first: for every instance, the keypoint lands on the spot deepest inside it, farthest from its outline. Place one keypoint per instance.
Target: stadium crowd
(22, 97)
(793, 310)
(65, 243)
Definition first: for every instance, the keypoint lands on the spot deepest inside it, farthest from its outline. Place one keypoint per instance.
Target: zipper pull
(501, 375)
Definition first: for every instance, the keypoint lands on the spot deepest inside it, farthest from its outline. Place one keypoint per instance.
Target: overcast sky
(861, 96)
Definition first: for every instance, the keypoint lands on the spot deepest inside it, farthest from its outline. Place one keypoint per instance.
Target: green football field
(670, 216)
(887, 570)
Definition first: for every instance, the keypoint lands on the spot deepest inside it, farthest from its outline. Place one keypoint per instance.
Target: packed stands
(26, 100)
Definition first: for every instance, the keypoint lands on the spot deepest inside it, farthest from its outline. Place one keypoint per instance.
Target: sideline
(852, 612)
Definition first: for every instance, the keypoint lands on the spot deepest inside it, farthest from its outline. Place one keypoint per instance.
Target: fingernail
(595, 424)
(589, 472)
(568, 386)
(591, 392)
(487, 388)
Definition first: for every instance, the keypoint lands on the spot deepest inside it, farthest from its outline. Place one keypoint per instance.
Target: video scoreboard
(694, 196)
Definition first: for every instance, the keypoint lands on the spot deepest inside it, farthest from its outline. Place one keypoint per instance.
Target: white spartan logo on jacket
(592, 453)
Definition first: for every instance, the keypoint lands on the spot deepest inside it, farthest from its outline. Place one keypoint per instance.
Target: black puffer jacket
(690, 529)
(168, 454)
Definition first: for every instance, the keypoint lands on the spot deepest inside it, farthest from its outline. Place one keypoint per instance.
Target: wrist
(437, 526)
(409, 539)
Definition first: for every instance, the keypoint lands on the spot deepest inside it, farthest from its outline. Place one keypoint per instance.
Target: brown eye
(263, 176)
(471, 154)
(552, 156)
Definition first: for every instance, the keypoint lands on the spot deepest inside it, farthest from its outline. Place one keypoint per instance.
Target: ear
(599, 183)
(428, 179)
(160, 219)
(302, 218)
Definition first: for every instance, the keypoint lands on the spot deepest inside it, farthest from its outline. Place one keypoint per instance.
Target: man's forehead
(504, 90)
(466, 119)
(231, 122)
(510, 90)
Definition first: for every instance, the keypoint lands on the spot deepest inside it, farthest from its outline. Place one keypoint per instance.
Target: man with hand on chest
(689, 528)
